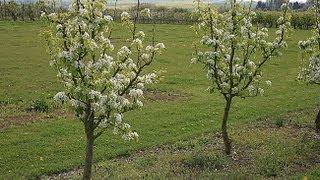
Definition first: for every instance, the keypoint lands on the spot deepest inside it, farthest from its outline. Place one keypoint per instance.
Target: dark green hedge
(299, 20)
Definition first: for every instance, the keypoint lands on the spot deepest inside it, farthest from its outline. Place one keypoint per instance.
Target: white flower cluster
(99, 86)
(60, 97)
(146, 13)
(310, 69)
(311, 73)
(125, 16)
(234, 42)
(314, 70)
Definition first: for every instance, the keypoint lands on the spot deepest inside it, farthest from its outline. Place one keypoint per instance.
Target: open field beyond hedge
(177, 109)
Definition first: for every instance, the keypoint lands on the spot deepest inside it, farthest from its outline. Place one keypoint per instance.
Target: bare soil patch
(19, 115)
(27, 117)
(19, 120)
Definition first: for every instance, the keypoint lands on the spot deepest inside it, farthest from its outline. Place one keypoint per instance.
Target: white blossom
(60, 97)
(66, 55)
(124, 51)
(310, 66)
(146, 12)
(160, 46)
(137, 42)
(149, 48)
(251, 90)
(108, 18)
(101, 84)
(94, 94)
(269, 83)
(77, 104)
(43, 14)
(136, 93)
(139, 103)
(261, 91)
(141, 34)
(145, 57)
(118, 118)
(125, 16)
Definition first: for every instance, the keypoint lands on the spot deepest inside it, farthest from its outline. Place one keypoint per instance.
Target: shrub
(270, 166)
(145, 162)
(279, 122)
(39, 105)
(299, 20)
(204, 161)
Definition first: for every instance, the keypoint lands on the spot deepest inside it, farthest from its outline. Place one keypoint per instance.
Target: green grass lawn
(281, 146)
(56, 145)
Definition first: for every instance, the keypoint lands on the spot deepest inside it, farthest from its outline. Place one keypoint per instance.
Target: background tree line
(276, 4)
(267, 13)
(13, 10)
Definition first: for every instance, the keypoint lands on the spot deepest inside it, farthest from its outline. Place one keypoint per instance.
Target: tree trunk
(318, 123)
(224, 127)
(89, 151)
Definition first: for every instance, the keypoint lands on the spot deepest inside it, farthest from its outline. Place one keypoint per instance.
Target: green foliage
(267, 18)
(205, 161)
(39, 105)
(279, 122)
(161, 14)
(10, 101)
(270, 166)
(12, 10)
(299, 20)
(144, 162)
(303, 20)
(184, 145)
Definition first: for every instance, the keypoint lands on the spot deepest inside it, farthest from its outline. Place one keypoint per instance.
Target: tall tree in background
(311, 2)
(296, 5)
(275, 4)
(261, 5)
(13, 9)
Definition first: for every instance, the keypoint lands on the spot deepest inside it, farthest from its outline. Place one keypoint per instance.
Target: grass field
(263, 149)
(54, 144)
